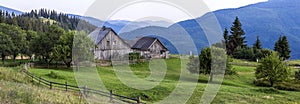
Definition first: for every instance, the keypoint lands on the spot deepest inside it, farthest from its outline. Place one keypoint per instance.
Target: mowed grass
(178, 82)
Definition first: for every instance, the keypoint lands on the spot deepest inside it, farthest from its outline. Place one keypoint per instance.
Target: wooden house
(109, 46)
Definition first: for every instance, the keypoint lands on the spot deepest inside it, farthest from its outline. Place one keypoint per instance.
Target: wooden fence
(85, 90)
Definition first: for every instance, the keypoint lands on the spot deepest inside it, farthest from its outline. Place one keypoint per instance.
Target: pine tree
(226, 40)
(285, 48)
(237, 38)
(282, 47)
(277, 45)
(257, 44)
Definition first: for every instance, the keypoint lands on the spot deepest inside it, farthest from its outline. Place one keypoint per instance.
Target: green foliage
(257, 44)
(135, 57)
(205, 58)
(6, 45)
(244, 53)
(282, 47)
(28, 34)
(250, 54)
(237, 37)
(63, 50)
(273, 69)
(55, 75)
(44, 44)
(211, 61)
(82, 46)
(229, 69)
(193, 65)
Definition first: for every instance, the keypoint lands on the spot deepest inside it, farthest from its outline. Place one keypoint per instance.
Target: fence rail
(67, 87)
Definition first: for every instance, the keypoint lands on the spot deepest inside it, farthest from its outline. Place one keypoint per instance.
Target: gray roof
(99, 34)
(145, 43)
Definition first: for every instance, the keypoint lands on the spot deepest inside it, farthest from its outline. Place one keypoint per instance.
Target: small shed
(150, 47)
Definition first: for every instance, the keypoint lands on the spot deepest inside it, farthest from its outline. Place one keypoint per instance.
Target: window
(107, 43)
(115, 43)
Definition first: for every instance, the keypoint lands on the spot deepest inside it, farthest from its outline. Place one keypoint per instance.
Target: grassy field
(16, 88)
(235, 89)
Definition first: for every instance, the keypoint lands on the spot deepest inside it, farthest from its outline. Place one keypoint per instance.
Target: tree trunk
(14, 56)
(211, 77)
(56, 64)
(47, 64)
(68, 64)
(3, 59)
(271, 82)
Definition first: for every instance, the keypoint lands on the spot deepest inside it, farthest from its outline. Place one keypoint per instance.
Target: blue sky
(81, 7)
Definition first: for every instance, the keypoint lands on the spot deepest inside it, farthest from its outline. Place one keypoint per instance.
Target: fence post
(50, 85)
(40, 80)
(85, 90)
(66, 86)
(139, 100)
(111, 96)
(32, 78)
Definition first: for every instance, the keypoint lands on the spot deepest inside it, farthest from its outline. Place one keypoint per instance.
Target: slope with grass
(234, 89)
(15, 88)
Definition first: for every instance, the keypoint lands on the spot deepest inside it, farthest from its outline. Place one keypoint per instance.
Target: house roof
(145, 43)
(100, 33)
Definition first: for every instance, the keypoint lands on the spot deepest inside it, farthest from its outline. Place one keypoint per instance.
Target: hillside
(235, 88)
(268, 20)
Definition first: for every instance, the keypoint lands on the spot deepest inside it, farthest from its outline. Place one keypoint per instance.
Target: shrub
(55, 75)
(244, 53)
(262, 83)
(135, 57)
(193, 65)
(273, 69)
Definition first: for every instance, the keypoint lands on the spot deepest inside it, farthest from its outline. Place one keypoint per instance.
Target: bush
(273, 69)
(250, 53)
(55, 75)
(262, 83)
(244, 53)
(135, 57)
(193, 65)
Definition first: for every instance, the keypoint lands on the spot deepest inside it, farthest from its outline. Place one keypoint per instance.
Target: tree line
(30, 35)
(237, 47)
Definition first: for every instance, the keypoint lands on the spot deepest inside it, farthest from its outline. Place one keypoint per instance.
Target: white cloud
(81, 6)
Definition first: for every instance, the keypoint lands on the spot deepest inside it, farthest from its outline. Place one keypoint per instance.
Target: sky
(82, 7)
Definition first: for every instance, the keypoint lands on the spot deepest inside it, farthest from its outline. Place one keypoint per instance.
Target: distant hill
(121, 26)
(118, 25)
(9, 10)
(268, 20)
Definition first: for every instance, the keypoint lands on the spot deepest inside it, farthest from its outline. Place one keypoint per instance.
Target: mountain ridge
(268, 20)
